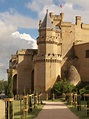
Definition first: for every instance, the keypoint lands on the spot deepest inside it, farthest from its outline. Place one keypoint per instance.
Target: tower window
(87, 53)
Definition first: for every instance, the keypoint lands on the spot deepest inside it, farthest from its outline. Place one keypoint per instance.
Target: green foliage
(10, 93)
(10, 85)
(82, 84)
(11, 110)
(3, 85)
(84, 90)
(62, 86)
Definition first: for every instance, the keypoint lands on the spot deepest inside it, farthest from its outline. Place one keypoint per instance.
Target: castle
(63, 52)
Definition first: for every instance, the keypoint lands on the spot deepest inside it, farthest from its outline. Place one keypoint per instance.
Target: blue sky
(19, 21)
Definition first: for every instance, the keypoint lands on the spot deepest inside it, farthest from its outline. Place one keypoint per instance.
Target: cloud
(33, 6)
(14, 18)
(6, 30)
(70, 8)
(26, 37)
(37, 5)
(11, 41)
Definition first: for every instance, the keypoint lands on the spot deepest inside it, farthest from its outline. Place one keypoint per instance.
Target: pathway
(56, 110)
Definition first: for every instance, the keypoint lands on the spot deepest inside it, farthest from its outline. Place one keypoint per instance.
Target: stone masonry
(63, 52)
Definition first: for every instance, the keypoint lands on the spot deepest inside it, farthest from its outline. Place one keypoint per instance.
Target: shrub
(62, 86)
(84, 90)
(3, 85)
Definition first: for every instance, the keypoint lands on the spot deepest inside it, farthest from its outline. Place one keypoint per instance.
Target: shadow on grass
(31, 115)
(81, 114)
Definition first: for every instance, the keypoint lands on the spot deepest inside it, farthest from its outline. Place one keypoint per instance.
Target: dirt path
(56, 110)
(2, 109)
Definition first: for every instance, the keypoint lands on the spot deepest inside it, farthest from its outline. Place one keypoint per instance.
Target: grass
(81, 114)
(31, 115)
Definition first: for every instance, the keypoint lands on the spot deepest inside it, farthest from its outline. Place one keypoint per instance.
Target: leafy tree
(3, 85)
(10, 85)
(85, 90)
(10, 92)
(62, 86)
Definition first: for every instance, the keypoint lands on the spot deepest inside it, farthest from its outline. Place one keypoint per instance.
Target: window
(87, 53)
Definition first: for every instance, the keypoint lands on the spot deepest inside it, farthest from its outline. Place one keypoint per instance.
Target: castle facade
(63, 52)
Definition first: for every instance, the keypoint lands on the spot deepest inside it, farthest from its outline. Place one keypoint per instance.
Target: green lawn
(81, 114)
(31, 115)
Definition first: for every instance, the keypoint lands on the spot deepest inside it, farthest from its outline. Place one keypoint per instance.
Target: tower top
(46, 10)
(47, 22)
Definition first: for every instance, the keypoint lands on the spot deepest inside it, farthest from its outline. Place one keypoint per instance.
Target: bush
(3, 85)
(62, 86)
(10, 85)
(84, 90)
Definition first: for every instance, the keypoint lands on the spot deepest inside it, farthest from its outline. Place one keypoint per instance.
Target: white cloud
(9, 45)
(14, 18)
(6, 30)
(11, 40)
(26, 37)
(71, 8)
(33, 6)
(37, 5)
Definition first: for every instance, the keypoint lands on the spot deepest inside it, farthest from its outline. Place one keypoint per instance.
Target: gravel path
(56, 110)
(2, 109)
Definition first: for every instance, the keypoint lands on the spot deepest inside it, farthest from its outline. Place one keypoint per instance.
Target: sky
(19, 21)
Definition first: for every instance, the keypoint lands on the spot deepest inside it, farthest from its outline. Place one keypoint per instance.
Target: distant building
(63, 52)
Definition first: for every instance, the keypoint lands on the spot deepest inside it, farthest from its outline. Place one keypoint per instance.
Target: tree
(10, 93)
(10, 85)
(62, 86)
(3, 85)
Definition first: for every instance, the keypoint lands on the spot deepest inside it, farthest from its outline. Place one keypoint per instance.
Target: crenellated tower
(47, 63)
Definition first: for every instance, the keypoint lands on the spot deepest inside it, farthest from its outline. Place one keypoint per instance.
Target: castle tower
(47, 62)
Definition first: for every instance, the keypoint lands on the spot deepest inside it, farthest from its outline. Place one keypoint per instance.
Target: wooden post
(8, 103)
(53, 97)
(35, 100)
(21, 106)
(30, 103)
(86, 104)
(47, 96)
(75, 99)
(39, 98)
(79, 102)
(24, 107)
(64, 96)
(25, 100)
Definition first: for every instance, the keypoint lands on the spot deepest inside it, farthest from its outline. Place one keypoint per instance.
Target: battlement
(56, 17)
(48, 57)
(66, 24)
(85, 26)
(13, 57)
(26, 52)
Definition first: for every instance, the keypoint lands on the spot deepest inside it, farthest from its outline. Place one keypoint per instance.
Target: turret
(78, 20)
(62, 16)
(40, 23)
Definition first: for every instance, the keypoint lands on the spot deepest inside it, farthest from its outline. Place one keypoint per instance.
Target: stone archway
(15, 84)
(32, 81)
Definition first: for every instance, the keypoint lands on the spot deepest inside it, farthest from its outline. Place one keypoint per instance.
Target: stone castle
(63, 52)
